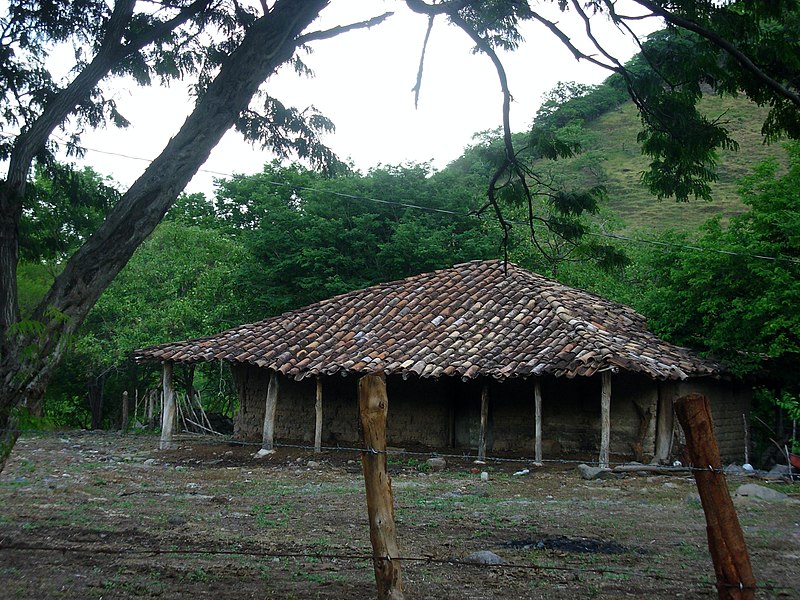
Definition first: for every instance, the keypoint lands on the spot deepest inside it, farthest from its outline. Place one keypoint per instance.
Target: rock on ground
(485, 557)
(753, 490)
(437, 463)
(588, 472)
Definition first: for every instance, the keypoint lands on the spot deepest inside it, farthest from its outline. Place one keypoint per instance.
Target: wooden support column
(168, 408)
(735, 580)
(537, 399)
(664, 427)
(605, 418)
(268, 439)
(318, 423)
(373, 406)
(484, 421)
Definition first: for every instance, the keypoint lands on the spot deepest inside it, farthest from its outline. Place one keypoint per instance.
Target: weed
(198, 575)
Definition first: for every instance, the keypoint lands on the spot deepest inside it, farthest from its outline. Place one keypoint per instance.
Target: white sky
(363, 82)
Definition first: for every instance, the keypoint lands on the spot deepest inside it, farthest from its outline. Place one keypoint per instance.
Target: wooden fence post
(735, 580)
(168, 409)
(125, 410)
(373, 406)
(318, 423)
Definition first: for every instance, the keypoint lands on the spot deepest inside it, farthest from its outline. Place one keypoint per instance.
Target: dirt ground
(102, 515)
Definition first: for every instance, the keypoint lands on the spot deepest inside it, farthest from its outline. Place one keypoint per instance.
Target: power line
(614, 236)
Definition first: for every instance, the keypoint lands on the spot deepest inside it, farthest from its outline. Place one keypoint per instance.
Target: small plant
(198, 575)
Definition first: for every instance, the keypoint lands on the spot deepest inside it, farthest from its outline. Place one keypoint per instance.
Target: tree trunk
(269, 42)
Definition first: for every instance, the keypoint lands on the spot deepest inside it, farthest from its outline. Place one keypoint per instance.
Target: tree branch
(418, 86)
(448, 8)
(743, 60)
(333, 32)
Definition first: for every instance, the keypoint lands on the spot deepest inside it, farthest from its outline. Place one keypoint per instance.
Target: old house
(481, 356)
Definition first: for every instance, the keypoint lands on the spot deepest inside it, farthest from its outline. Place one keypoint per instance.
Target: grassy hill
(613, 141)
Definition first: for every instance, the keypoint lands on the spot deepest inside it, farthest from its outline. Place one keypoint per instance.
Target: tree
(180, 283)
(736, 299)
(313, 237)
(140, 44)
(232, 49)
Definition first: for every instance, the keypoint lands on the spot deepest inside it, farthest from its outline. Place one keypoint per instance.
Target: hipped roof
(475, 319)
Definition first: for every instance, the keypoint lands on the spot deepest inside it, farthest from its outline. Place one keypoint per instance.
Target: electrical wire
(614, 236)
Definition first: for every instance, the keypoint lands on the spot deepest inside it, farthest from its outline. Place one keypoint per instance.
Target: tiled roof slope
(471, 320)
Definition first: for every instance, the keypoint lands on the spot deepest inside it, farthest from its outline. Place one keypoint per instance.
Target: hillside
(612, 140)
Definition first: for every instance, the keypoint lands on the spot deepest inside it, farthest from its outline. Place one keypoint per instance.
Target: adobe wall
(446, 413)
(729, 401)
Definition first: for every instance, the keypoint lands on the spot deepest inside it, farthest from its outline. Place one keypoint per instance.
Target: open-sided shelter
(484, 355)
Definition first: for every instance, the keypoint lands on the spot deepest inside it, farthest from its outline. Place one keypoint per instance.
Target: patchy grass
(244, 528)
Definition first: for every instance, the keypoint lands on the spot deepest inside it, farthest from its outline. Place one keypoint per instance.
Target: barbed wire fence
(194, 440)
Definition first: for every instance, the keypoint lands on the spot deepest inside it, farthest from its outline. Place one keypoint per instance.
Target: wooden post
(318, 424)
(537, 398)
(125, 410)
(664, 428)
(605, 418)
(150, 407)
(734, 573)
(484, 421)
(451, 422)
(168, 409)
(268, 440)
(373, 406)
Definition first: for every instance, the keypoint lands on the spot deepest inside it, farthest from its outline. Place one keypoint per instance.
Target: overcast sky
(363, 82)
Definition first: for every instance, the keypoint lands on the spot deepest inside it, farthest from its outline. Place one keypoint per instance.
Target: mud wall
(446, 413)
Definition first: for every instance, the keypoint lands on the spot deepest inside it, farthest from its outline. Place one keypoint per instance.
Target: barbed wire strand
(196, 439)
(365, 557)
(451, 562)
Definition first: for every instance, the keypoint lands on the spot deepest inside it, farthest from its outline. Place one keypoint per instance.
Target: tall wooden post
(537, 399)
(373, 406)
(125, 410)
(664, 427)
(268, 439)
(151, 400)
(735, 580)
(168, 408)
(605, 418)
(484, 421)
(318, 424)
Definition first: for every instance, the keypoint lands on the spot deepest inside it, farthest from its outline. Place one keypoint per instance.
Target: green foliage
(312, 237)
(728, 300)
(63, 208)
(180, 283)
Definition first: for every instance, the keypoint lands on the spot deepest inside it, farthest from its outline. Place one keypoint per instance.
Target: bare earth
(101, 515)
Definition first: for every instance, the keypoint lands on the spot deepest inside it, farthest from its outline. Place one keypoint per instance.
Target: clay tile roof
(472, 320)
